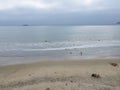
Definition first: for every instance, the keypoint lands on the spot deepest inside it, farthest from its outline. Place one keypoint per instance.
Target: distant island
(25, 25)
(118, 23)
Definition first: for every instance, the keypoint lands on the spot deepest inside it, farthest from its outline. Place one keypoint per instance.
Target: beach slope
(62, 75)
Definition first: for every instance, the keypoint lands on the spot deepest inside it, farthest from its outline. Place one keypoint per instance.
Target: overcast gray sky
(59, 12)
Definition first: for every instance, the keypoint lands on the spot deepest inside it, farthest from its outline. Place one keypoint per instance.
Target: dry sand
(61, 75)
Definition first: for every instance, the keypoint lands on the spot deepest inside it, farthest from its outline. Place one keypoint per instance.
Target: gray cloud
(49, 12)
(59, 4)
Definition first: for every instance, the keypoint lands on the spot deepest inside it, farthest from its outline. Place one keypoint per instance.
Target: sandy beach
(62, 75)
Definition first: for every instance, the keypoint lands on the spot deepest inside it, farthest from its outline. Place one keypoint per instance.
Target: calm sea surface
(60, 42)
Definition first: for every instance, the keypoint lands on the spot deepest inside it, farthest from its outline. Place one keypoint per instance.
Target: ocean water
(60, 42)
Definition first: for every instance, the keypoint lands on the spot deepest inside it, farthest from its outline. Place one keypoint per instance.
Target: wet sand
(62, 75)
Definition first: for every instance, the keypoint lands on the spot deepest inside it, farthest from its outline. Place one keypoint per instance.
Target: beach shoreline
(11, 61)
(62, 75)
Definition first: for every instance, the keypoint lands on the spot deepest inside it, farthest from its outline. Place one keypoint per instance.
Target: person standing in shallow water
(81, 53)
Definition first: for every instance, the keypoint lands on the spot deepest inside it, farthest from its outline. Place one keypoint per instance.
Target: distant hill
(118, 23)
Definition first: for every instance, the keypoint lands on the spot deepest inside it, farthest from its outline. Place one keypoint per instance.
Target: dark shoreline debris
(47, 88)
(95, 75)
(114, 64)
